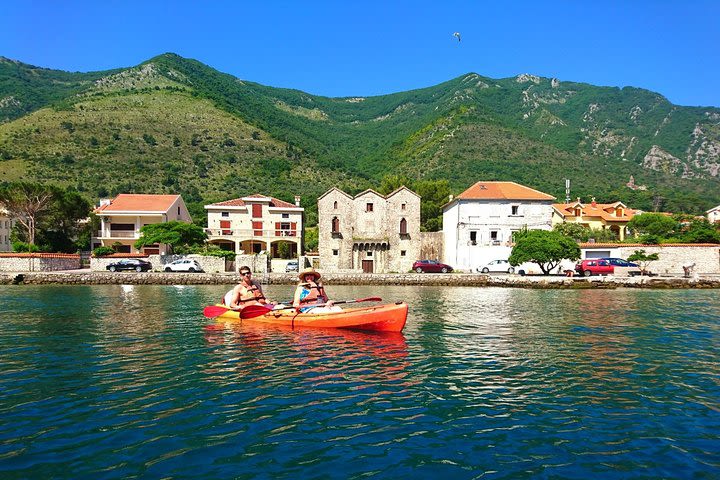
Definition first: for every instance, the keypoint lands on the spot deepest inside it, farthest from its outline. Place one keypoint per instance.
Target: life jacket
(250, 294)
(316, 294)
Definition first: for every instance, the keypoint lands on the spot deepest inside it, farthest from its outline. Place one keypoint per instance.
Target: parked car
(183, 265)
(292, 266)
(499, 266)
(431, 266)
(604, 266)
(129, 264)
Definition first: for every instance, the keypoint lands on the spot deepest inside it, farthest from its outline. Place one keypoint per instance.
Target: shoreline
(87, 277)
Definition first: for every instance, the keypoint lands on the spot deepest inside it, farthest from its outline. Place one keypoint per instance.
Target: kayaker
(247, 292)
(310, 295)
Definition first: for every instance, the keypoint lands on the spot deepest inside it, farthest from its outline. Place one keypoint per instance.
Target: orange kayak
(379, 318)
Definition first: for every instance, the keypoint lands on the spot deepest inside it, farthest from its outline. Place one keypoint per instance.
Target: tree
(174, 233)
(26, 203)
(653, 224)
(643, 259)
(700, 231)
(545, 248)
(434, 194)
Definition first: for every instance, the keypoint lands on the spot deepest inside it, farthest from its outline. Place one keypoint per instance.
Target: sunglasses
(245, 273)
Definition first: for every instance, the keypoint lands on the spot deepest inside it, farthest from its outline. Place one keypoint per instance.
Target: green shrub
(103, 251)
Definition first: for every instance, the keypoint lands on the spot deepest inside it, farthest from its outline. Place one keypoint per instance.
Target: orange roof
(605, 211)
(131, 202)
(502, 191)
(240, 202)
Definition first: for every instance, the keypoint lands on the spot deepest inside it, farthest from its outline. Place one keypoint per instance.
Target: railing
(119, 234)
(229, 232)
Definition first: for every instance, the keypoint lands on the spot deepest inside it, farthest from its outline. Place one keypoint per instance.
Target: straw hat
(308, 271)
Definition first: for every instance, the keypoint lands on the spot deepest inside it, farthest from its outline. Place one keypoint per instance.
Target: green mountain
(176, 125)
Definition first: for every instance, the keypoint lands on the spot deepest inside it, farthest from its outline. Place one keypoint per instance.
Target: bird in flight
(457, 34)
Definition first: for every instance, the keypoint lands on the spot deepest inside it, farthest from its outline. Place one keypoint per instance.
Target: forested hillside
(176, 125)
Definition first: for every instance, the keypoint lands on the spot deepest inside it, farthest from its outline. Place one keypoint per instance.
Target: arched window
(403, 227)
(335, 225)
(335, 204)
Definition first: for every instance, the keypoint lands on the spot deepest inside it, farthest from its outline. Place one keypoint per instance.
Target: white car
(498, 266)
(183, 265)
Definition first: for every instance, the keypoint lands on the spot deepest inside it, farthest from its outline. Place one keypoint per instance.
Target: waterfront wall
(258, 263)
(410, 279)
(38, 262)
(671, 258)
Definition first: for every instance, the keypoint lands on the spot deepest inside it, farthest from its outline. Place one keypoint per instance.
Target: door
(367, 266)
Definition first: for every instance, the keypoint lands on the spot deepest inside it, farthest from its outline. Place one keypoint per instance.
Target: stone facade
(369, 232)
(6, 226)
(257, 263)
(38, 262)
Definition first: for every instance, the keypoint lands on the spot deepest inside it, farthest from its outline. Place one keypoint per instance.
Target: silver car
(497, 266)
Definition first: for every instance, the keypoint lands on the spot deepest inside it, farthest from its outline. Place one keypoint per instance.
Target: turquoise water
(133, 382)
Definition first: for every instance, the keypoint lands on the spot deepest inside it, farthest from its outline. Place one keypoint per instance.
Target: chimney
(297, 200)
(593, 202)
(104, 201)
(450, 198)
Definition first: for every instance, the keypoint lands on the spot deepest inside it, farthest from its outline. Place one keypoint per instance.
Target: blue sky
(369, 47)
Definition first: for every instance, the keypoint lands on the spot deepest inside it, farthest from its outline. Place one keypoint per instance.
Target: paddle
(252, 311)
(214, 310)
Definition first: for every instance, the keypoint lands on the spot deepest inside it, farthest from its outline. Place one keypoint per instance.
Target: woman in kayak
(247, 292)
(310, 295)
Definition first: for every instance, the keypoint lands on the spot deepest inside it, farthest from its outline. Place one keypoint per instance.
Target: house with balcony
(122, 218)
(370, 232)
(256, 223)
(479, 224)
(6, 226)
(597, 216)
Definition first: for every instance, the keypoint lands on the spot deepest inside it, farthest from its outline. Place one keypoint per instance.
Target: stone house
(478, 224)
(597, 216)
(122, 218)
(6, 226)
(256, 223)
(370, 232)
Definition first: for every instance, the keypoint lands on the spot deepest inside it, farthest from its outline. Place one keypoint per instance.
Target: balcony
(118, 234)
(249, 233)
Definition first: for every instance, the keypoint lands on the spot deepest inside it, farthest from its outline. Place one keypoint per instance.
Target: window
(368, 207)
(402, 253)
(493, 234)
(336, 252)
(402, 207)
(256, 210)
(473, 238)
(403, 227)
(225, 214)
(515, 210)
(285, 215)
(335, 204)
(178, 211)
(369, 253)
(335, 225)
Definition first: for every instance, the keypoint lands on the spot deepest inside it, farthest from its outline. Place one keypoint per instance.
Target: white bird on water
(457, 34)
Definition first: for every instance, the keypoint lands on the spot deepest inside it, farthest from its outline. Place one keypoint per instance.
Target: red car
(604, 266)
(431, 266)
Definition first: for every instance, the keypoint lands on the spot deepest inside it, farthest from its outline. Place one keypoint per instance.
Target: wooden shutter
(277, 229)
(256, 210)
(257, 229)
(293, 229)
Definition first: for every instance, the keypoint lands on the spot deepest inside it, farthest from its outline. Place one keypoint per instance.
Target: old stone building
(370, 232)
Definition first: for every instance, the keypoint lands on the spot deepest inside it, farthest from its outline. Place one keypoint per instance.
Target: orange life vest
(316, 294)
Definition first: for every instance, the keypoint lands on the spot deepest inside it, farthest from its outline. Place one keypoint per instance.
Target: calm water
(133, 382)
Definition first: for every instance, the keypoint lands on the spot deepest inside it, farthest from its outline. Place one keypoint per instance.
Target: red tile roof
(239, 202)
(502, 191)
(604, 211)
(131, 202)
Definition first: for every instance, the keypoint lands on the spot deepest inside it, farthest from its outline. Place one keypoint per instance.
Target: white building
(713, 215)
(256, 223)
(478, 225)
(122, 218)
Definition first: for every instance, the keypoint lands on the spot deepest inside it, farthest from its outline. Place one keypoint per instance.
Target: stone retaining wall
(38, 262)
(671, 258)
(478, 280)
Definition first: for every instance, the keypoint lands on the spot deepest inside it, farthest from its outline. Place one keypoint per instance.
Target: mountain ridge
(530, 129)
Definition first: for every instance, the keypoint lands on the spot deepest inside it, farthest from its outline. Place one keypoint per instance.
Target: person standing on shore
(247, 292)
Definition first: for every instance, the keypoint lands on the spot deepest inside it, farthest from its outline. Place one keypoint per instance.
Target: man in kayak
(247, 292)
(310, 295)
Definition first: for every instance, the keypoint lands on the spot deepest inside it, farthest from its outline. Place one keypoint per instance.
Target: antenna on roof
(567, 190)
